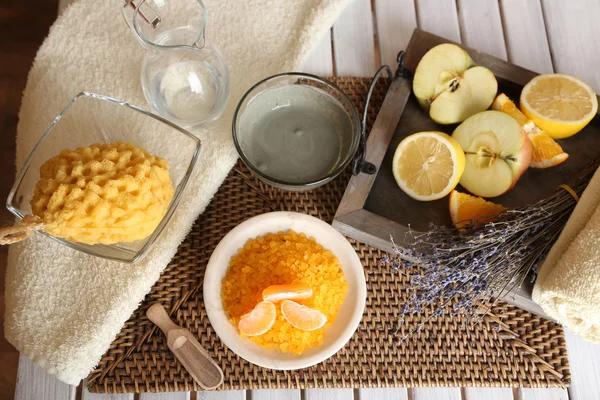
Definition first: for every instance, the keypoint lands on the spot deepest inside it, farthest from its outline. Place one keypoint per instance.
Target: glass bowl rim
(312, 183)
(150, 240)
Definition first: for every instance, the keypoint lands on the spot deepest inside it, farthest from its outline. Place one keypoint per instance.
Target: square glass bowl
(92, 118)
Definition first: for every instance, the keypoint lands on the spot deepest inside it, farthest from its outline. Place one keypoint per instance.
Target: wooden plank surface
(487, 393)
(328, 394)
(436, 394)
(35, 383)
(584, 360)
(525, 35)
(481, 26)
(396, 20)
(164, 396)
(225, 395)
(354, 45)
(276, 394)
(439, 17)
(382, 394)
(320, 61)
(543, 394)
(573, 29)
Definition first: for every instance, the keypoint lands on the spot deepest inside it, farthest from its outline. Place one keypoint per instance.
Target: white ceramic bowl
(348, 318)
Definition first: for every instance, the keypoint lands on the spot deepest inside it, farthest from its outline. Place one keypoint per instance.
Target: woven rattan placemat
(510, 347)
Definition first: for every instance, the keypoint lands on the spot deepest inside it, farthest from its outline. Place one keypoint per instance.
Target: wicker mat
(510, 347)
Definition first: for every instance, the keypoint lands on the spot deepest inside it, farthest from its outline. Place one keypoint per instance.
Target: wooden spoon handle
(194, 358)
(157, 314)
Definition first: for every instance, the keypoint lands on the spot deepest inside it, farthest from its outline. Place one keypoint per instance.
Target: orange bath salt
(293, 291)
(284, 258)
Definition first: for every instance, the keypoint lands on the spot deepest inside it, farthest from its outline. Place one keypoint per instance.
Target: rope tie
(568, 189)
(17, 233)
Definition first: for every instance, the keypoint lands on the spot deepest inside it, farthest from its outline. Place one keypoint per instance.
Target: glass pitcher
(184, 79)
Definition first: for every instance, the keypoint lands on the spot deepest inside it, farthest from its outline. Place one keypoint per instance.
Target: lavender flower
(463, 272)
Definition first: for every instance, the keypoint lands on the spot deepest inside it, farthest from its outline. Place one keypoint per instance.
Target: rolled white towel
(568, 284)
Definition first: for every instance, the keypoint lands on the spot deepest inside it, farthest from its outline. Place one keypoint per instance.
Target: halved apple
(450, 87)
(497, 150)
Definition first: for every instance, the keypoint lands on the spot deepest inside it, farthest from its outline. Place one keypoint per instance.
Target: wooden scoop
(188, 351)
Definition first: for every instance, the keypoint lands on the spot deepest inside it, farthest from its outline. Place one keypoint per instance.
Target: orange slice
(276, 293)
(546, 152)
(302, 317)
(259, 320)
(466, 209)
(506, 105)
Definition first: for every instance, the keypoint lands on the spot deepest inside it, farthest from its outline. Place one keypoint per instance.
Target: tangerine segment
(259, 320)
(278, 293)
(302, 317)
(466, 209)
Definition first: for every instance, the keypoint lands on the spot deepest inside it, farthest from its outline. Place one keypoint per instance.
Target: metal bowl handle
(360, 163)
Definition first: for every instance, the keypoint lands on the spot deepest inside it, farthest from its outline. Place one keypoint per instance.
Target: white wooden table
(541, 35)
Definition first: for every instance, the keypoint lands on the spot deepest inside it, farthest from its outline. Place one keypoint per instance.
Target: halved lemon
(259, 320)
(428, 165)
(292, 291)
(466, 209)
(302, 317)
(559, 104)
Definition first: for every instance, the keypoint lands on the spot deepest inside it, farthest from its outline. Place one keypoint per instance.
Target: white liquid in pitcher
(295, 133)
(183, 87)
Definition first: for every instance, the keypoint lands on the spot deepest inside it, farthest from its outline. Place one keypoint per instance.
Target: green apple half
(497, 151)
(449, 85)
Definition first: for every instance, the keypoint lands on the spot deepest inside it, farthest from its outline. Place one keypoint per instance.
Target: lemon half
(559, 104)
(428, 165)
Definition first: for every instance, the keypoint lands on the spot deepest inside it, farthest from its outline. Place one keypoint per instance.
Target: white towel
(64, 308)
(568, 284)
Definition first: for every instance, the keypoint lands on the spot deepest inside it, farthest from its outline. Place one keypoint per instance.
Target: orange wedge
(506, 105)
(294, 291)
(302, 317)
(466, 209)
(546, 152)
(259, 320)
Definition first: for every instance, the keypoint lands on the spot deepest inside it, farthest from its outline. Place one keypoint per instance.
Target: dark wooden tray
(374, 207)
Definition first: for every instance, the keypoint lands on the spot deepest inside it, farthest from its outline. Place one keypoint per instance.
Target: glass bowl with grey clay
(296, 131)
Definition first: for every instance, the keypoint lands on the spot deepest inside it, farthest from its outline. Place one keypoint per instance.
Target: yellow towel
(568, 284)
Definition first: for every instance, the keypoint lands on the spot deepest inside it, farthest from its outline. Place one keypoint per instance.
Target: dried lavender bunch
(463, 272)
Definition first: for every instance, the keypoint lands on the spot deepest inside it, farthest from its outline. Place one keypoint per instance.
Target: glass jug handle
(146, 12)
(202, 38)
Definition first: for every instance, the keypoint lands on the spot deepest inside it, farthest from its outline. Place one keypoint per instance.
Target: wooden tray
(374, 207)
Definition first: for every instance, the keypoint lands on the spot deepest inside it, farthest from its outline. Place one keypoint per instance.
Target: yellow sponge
(104, 193)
